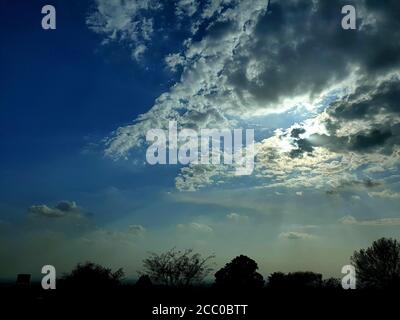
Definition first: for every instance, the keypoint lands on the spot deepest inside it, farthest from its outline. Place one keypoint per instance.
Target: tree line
(377, 267)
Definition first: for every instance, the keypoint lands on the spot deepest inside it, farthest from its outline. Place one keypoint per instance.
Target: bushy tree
(176, 268)
(91, 276)
(295, 280)
(241, 272)
(144, 282)
(332, 284)
(379, 265)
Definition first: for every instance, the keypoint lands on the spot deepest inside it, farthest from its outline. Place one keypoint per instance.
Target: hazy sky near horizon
(76, 103)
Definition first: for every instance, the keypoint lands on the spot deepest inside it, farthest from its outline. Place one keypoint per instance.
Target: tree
(92, 276)
(332, 284)
(144, 282)
(295, 280)
(277, 280)
(379, 265)
(177, 268)
(241, 272)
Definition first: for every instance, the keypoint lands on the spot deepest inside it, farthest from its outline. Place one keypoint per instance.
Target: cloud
(138, 52)
(293, 235)
(195, 226)
(235, 67)
(124, 21)
(186, 7)
(237, 218)
(194, 177)
(303, 227)
(385, 194)
(367, 119)
(136, 229)
(350, 220)
(61, 210)
(354, 185)
(174, 60)
(202, 92)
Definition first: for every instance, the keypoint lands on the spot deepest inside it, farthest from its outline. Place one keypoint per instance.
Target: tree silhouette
(92, 276)
(144, 282)
(295, 280)
(379, 265)
(241, 272)
(332, 284)
(176, 268)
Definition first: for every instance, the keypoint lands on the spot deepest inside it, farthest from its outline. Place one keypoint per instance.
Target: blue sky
(76, 103)
(61, 92)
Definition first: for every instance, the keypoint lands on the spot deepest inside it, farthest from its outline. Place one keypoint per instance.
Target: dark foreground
(130, 302)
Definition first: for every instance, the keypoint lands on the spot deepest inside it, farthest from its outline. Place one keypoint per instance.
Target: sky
(76, 104)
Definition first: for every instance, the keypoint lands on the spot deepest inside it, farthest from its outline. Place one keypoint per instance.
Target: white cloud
(234, 71)
(195, 226)
(203, 91)
(125, 21)
(385, 194)
(293, 235)
(174, 60)
(237, 218)
(186, 7)
(138, 52)
(350, 220)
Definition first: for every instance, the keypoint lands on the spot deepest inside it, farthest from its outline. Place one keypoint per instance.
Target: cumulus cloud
(61, 210)
(174, 60)
(237, 218)
(202, 92)
(293, 235)
(238, 68)
(350, 220)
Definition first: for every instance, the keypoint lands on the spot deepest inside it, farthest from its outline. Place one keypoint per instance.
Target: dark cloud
(66, 206)
(374, 138)
(296, 132)
(301, 48)
(367, 101)
(377, 107)
(349, 185)
(302, 146)
(61, 210)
